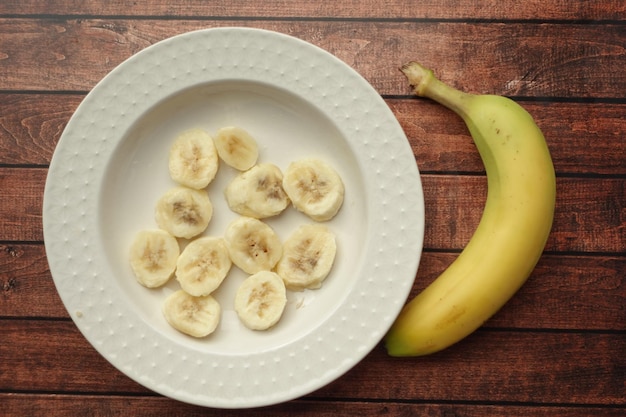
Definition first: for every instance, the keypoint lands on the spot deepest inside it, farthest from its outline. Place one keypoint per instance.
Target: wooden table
(557, 348)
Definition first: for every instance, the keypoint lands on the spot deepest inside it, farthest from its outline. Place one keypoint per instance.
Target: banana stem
(425, 84)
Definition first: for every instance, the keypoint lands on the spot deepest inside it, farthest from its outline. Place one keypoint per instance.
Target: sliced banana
(314, 188)
(184, 212)
(260, 300)
(236, 147)
(153, 255)
(257, 192)
(308, 256)
(252, 244)
(203, 265)
(193, 160)
(195, 316)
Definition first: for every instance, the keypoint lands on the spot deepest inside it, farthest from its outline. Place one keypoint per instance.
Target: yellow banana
(512, 232)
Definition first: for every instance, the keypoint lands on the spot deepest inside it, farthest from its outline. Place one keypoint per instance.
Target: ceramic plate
(297, 100)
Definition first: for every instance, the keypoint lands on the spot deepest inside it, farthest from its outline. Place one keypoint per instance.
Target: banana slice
(253, 245)
(193, 160)
(153, 255)
(236, 147)
(314, 188)
(203, 265)
(257, 192)
(308, 256)
(260, 300)
(195, 316)
(184, 212)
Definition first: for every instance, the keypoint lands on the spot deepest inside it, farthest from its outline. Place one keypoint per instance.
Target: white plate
(110, 167)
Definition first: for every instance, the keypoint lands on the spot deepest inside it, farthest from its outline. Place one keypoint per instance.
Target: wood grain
(598, 219)
(555, 349)
(523, 60)
(26, 283)
(592, 286)
(31, 125)
(583, 137)
(21, 194)
(390, 9)
(446, 197)
(487, 366)
(35, 347)
(565, 368)
(54, 405)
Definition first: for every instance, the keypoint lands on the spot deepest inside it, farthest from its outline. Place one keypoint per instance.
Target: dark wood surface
(558, 348)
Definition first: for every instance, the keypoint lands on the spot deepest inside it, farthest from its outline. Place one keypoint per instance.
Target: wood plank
(31, 125)
(598, 204)
(75, 54)
(27, 286)
(535, 367)
(390, 9)
(592, 286)
(586, 209)
(583, 137)
(21, 199)
(54, 356)
(55, 405)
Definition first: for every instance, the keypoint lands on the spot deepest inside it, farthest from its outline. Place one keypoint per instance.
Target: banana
(257, 192)
(308, 256)
(260, 300)
(314, 188)
(184, 212)
(511, 234)
(195, 316)
(153, 255)
(252, 245)
(203, 265)
(193, 160)
(236, 147)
